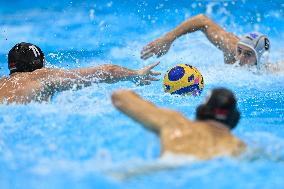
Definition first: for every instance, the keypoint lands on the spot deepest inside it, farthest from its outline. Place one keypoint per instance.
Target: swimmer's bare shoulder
(20, 88)
(24, 87)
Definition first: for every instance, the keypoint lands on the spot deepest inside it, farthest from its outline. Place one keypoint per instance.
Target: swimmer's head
(251, 48)
(220, 105)
(25, 57)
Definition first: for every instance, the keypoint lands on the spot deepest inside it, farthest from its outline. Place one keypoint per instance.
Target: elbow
(202, 17)
(108, 67)
(204, 20)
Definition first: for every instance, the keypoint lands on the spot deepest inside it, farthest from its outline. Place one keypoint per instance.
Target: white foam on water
(81, 133)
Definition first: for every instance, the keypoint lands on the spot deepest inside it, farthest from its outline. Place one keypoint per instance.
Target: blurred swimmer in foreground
(30, 81)
(251, 49)
(207, 137)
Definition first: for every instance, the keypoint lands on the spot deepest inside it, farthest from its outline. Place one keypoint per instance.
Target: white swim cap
(258, 42)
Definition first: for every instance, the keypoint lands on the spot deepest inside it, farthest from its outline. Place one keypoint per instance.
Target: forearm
(138, 109)
(193, 24)
(60, 79)
(215, 34)
(107, 73)
(146, 113)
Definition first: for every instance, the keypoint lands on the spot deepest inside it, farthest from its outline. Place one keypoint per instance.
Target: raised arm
(223, 40)
(146, 113)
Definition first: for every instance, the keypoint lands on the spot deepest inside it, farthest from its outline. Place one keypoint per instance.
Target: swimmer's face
(245, 55)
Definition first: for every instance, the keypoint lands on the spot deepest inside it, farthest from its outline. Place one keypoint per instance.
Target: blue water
(79, 140)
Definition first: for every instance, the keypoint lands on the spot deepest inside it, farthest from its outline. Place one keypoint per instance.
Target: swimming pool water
(79, 140)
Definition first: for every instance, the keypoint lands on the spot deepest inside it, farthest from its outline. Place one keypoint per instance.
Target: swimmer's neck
(15, 73)
(18, 73)
(217, 124)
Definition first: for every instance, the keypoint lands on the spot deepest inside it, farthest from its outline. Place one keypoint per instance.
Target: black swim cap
(220, 106)
(25, 57)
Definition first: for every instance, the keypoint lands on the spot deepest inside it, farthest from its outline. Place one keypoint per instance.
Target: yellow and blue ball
(183, 79)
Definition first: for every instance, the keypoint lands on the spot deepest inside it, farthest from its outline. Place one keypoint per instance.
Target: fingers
(147, 70)
(146, 50)
(143, 82)
(153, 78)
(148, 46)
(146, 56)
(151, 66)
(146, 82)
(147, 53)
(161, 53)
(152, 73)
(146, 75)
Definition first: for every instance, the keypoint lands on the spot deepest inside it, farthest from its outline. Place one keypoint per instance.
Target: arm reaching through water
(142, 111)
(63, 79)
(110, 73)
(227, 42)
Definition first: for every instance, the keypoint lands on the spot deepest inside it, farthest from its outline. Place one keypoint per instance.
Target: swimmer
(207, 137)
(29, 80)
(251, 49)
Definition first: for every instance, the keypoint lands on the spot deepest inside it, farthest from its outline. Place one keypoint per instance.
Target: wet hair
(220, 106)
(25, 57)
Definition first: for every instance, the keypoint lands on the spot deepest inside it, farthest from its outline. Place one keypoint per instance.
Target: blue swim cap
(257, 42)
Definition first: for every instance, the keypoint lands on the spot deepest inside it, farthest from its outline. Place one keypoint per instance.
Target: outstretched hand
(158, 47)
(145, 75)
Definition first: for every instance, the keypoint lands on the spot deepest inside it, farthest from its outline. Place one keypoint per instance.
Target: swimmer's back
(179, 135)
(203, 139)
